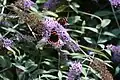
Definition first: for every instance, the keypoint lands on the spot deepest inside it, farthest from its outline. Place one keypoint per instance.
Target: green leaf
(102, 46)
(107, 64)
(105, 22)
(103, 13)
(77, 31)
(116, 32)
(60, 75)
(74, 19)
(77, 55)
(61, 8)
(117, 70)
(2, 77)
(91, 29)
(90, 40)
(69, 0)
(73, 7)
(2, 61)
(50, 13)
(109, 34)
(83, 23)
(20, 66)
(84, 71)
(48, 76)
(36, 73)
(9, 29)
(41, 1)
(102, 40)
(108, 51)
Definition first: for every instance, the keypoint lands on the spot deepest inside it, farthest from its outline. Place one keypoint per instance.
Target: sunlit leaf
(20, 66)
(105, 22)
(91, 29)
(49, 76)
(61, 8)
(50, 13)
(109, 34)
(90, 40)
(41, 1)
(73, 7)
(60, 75)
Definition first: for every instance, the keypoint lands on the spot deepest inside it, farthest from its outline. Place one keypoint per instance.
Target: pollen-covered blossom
(28, 3)
(74, 70)
(116, 52)
(115, 2)
(56, 35)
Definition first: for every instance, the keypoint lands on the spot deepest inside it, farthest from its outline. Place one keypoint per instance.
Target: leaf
(105, 22)
(116, 32)
(103, 55)
(74, 19)
(9, 29)
(108, 51)
(109, 34)
(84, 71)
(69, 0)
(90, 40)
(60, 75)
(48, 76)
(83, 23)
(76, 5)
(102, 40)
(109, 65)
(3, 77)
(50, 13)
(102, 46)
(20, 66)
(41, 1)
(91, 49)
(77, 31)
(2, 61)
(77, 55)
(91, 29)
(73, 7)
(103, 13)
(61, 8)
(117, 70)
(50, 71)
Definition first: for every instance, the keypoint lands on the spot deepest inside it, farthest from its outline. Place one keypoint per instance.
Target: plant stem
(115, 17)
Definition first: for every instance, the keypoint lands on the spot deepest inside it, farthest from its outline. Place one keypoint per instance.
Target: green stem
(115, 17)
(58, 60)
(9, 31)
(92, 15)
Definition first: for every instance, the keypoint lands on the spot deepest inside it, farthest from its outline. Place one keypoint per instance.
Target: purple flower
(51, 4)
(56, 35)
(28, 3)
(115, 2)
(74, 70)
(116, 52)
(7, 43)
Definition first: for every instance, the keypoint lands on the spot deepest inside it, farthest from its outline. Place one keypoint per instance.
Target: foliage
(93, 28)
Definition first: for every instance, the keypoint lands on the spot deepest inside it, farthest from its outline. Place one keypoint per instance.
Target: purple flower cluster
(7, 42)
(116, 52)
(51, 4)
(28, 3)
(54, 30)
(115, 3)
(74, 70)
